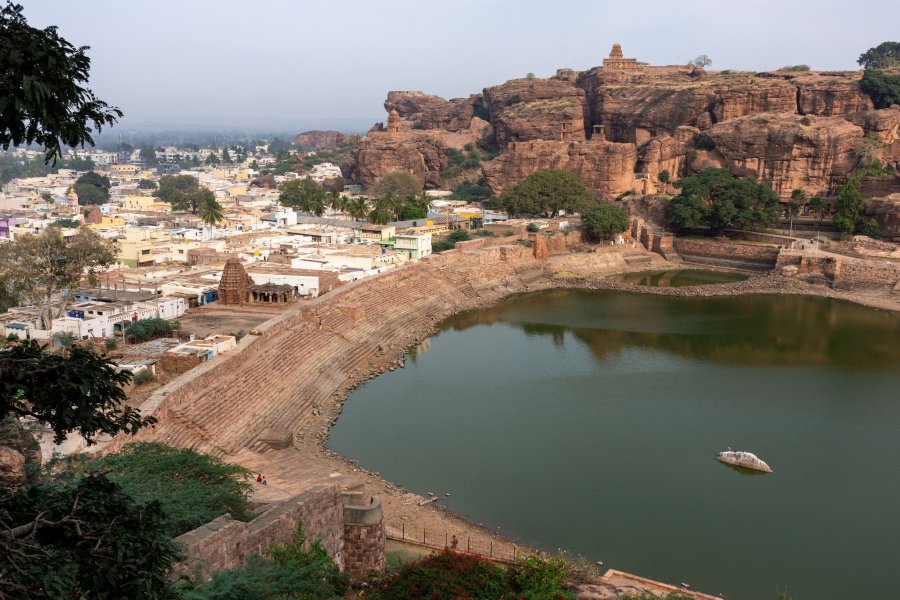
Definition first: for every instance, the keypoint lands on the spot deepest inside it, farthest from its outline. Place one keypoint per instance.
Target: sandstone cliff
(621, 125)
(315, 140)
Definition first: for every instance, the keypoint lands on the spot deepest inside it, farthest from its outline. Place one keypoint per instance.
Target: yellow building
(145, 204)
(136, 253)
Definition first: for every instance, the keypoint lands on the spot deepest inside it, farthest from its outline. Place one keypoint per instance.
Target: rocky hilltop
(316, 140)
(619, 125)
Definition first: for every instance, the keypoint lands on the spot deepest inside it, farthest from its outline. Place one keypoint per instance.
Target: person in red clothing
(259, 478)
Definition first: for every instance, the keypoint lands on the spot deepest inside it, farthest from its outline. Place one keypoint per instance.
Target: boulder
(423, 111)
(536, 109)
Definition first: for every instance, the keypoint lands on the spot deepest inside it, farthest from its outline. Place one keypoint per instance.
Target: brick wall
(225, 543)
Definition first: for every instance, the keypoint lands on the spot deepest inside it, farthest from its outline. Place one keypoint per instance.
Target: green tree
(41, 266)
(384, 209)
(147, 184)
(849, 207)
(547, 192)
(336, 201)
(881, 87)
(793, 207)
(399, 183)
(884, 55)
(872, 229)
(819, 207)
(226, 157)
(664, 179)
(604, 221)
(82, 537)
(212, 159)
(303, 194)
(183, 192)
(44, 99)
(211, 212)
(357, 209)
(92, 188)
(148, 155)
(72, 391)
(717, 199)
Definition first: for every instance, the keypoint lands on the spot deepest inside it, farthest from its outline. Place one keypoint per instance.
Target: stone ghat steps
(280, 380)
(292, 471)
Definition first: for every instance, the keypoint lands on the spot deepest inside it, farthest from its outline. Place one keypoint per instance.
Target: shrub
(143, 377)
(795, 68)
(704, 142)
(532, 228)
(286, 572)
(872, 229)
(882, 88)
(192, 488)
(484, 233)
(451, 575)
(148, 329)
(460, 235)
(110, 344)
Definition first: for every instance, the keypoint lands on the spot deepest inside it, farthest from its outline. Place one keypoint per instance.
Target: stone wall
(743, 256)
(363, 534)
(225, 543)
(862, 275)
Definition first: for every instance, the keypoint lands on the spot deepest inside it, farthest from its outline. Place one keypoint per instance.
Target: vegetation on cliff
(547, 192)
(881, 87)
(882, 56)
(718, 200)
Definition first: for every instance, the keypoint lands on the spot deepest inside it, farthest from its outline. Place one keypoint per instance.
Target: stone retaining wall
(742, 256)
(225, 543)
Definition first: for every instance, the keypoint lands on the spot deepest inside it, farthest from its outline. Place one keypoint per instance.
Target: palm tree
(211, 213)
(357, 209)
(65, 338)
(336, 201)
(383, 211)
(423, 201)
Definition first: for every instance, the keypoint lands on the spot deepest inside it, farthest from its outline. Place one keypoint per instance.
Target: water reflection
(677, 277)
(755, 330)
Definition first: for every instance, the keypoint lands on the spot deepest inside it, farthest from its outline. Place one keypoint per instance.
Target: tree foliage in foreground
(191, 488)
(82, 537)
(44, 99)
(603, 221)
(718, 200)
(71, 391)
(547, 192)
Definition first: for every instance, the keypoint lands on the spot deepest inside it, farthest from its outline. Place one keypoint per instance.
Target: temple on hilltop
(617, 62)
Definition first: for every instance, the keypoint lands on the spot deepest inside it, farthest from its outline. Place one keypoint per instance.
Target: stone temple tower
(393, 124)
(235, 283)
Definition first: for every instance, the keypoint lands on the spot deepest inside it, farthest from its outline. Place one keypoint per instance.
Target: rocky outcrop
(797, 129)
(316, 140)
(607, 168)
(536, 109)
(810, 153)
(830, 96)
(422, 111)
(422, 153)
(886, 211)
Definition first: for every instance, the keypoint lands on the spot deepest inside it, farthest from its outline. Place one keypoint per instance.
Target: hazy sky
(243, 64)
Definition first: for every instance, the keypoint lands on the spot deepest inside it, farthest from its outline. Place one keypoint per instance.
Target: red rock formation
(315, 140)
(535, 109)
(606, 168)
(422, 111)
(756, 120)
(793, 151)
(422, 153)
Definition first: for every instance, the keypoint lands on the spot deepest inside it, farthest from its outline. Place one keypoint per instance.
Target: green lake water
(677, 277)
(590, 420)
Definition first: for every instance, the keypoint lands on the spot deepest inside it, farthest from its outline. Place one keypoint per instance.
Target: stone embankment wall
(225, 543)
(306, 358)
(741, 256)
(844, 273)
